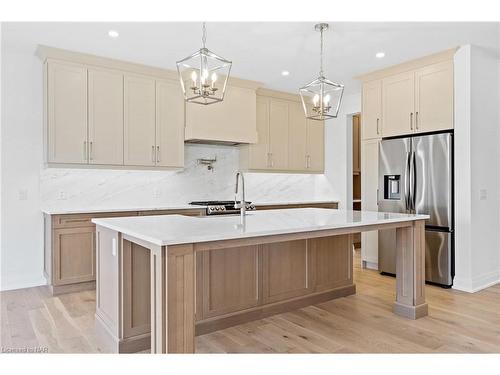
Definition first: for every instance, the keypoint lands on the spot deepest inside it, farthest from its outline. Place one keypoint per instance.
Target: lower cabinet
(74, 255)
(234, 280)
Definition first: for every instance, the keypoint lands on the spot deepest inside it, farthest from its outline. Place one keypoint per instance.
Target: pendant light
(204, 75)
(321, 98)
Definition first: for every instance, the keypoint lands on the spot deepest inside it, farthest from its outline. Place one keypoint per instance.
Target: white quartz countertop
(186, 206)
(178, 229)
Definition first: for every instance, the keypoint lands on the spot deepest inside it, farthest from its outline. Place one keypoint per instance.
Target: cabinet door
(331, 261)
(105, 116)
(398, 104)
(369, 197)
(315, 146)
(67, 113)
(74, 255)
(297, 139)
(434, 97)
(356, 162)
(285, 272)
(139, 129)
(230, 280)
(278, 129)
(372, 110)
(169, 124)
(258, 153)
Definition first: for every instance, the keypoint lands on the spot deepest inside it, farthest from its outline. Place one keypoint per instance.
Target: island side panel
(107, 290)
(158, 300)
(410, 271)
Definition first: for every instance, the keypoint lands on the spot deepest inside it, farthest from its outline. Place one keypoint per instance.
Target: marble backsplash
(67, 189)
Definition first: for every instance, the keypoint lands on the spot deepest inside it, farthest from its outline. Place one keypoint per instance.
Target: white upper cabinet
(278, 134)
(139, 120)
(398, 104)
(315, 146)
(169, 124)
(66, 113)
(297, 138)
(434, 97)
(105, 116)
(372, 110)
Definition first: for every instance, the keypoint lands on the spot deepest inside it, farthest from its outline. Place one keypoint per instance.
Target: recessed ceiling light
(113, 34)
(285, 73)
(379, 55)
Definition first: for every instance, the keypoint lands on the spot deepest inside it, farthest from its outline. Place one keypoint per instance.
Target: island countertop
(178, 229)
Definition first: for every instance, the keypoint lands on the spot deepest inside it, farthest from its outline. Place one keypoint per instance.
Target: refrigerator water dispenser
(392, 186)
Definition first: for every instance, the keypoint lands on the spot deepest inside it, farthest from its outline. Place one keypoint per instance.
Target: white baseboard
(475, 284)
(21, 284)
(369, 265)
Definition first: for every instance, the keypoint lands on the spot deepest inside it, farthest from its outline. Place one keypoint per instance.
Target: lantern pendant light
(321, 98)
(203, 75)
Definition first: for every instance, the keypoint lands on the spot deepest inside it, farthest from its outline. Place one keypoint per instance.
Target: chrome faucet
(242, 205)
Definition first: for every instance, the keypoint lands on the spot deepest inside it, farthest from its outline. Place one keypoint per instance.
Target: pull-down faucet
(242, 205)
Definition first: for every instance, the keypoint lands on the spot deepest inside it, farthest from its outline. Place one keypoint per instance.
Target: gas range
(222, 207)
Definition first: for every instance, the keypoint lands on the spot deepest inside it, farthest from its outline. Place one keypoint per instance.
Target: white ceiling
(260, 51)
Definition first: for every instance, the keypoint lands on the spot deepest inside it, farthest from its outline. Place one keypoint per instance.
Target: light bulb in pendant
(204, 76)
(326, 100)
(316, 100)
(194, 77)
(214, 79)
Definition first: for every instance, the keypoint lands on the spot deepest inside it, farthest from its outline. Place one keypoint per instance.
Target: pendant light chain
(204, 37)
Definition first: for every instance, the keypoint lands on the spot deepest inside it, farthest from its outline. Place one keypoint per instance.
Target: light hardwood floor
(363, 323)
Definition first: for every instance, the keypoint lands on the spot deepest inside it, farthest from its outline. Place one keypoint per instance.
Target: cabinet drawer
(84, 220)
(188, 212)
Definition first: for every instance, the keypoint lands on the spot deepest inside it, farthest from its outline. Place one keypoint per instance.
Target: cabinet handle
(308, 161)
(85, 150)
(157, 154)
(416, 120)
(411, 120)
(377, 126)
(153, 157)
(271, 158)
(91, 155)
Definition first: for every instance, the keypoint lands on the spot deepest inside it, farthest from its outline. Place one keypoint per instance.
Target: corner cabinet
(288, 142)
(102, 113)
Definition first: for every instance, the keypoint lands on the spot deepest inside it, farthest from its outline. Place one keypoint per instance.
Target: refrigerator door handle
(407, 182)
(413, 185)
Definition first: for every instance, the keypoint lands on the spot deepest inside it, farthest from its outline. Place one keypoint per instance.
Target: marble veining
(178, 229)
(80, 190)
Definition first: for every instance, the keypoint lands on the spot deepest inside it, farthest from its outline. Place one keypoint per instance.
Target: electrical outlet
(61, 195)
(483, 194)
(23, 194)
(156, 193)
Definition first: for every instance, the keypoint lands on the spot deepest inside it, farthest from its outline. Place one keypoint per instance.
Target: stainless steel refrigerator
(416, 176)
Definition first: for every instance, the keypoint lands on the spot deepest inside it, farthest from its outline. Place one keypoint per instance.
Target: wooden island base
(233, 284)
(160, 297)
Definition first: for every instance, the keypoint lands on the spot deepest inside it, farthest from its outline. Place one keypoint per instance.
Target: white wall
(338, 152)
(23, 175)
(477, 161)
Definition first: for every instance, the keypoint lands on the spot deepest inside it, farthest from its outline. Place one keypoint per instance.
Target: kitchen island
(161, 280)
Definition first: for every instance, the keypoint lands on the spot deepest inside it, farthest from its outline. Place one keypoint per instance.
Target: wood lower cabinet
(74, 255)
(285, 272)
(229, 280)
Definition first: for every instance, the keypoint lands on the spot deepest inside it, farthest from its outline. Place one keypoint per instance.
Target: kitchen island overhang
(163, 279)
